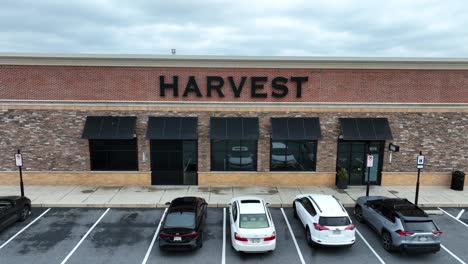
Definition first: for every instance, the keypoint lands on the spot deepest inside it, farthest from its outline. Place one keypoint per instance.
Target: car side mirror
(268, 204)
(168, 203)
(229, 204)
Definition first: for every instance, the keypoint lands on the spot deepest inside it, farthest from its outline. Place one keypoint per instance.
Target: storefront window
(233, 155)
(293, 155)
(113, 154)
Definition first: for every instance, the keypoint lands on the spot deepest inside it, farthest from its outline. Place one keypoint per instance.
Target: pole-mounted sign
(419, 166)
(19, 164)
(370, 164)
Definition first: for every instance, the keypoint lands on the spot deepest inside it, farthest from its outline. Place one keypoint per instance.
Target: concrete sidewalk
(157, 196)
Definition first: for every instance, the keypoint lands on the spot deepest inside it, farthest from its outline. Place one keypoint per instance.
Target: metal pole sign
(370, 164)
(19, 163)
(419, 166)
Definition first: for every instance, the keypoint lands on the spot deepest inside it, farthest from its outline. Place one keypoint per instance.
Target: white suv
(325, 220)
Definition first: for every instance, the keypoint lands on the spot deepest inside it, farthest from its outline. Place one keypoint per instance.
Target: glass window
(308, 206)
(113, 154)
(334, 221)
(180, 219)
(234, 155)
(420, 226)
(293, 155)
(253, 221)
(174, 155)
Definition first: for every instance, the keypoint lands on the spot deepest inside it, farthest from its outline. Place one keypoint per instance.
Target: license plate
(255, 240)
(336, 232)
(177, 238)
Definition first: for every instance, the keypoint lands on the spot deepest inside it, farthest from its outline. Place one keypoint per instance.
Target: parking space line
(24, 228)
(461, 222)
(460, 214)
(367, 243)
(453, 255)
(148, 252)
(84, 237)
(223, 259)
(293, 237)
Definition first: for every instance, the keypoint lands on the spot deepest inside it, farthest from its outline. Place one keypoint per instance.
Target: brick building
(207, 120)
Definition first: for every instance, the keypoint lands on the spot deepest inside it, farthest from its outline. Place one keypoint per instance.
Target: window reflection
(233, 155)
(293, 155)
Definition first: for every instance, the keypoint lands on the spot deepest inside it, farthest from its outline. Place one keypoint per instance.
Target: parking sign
(370, 161)
(420, 162)
(19, 160)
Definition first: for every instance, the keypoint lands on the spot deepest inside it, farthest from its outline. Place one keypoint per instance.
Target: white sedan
(252, 228)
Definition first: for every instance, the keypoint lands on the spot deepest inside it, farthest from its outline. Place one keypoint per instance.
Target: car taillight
(191, 235)
(320, 228)
(437, 232)
(239, 238)
(272, 237)
(164, 235)
(404, 233)
(350, 227)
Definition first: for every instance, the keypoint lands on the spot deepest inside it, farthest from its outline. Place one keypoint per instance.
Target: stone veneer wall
(51, 139)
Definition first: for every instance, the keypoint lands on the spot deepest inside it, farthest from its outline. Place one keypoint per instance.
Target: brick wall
(142, 84)
(51, 139)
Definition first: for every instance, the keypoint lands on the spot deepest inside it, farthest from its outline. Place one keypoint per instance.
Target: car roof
(250, 205)
(185, 204)
(404, 207)
(328, 204)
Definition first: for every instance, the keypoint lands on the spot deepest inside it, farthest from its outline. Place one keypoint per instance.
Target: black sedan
(12, 209)
(183, 225)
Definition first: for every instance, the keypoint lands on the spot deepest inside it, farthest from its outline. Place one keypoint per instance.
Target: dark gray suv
(401, 224)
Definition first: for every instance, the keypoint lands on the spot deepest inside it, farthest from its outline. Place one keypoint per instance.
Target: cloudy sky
(402, 28)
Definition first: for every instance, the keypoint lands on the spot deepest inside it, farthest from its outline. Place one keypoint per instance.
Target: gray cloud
(295, 27)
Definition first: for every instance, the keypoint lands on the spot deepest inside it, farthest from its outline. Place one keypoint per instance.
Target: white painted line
(367, 243)
(24, 228)
(223, 259)
(453, 255)
(84, 237)
(461, 222)
(460, 214)
(148, 252)
(293, 237)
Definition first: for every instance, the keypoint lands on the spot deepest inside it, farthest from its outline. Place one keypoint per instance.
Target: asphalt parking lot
(101, 235)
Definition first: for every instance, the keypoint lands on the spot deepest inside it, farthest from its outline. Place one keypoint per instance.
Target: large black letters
(174, 86)
(257, 84)
(278, 83)
(217, 87)
(299, 81)
(237, 90)
(192, 86)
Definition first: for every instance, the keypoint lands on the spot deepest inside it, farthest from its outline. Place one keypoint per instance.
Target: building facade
(171, 120)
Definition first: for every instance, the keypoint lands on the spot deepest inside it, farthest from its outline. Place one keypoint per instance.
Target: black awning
(365, 129)
(307, 128)
(234, 128)
(109, 127)
(172, 128)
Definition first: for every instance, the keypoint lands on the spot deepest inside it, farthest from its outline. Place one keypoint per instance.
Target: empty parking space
(374, 240)
(358, 253)
(285, 251)
(51, 238)
(455, 236)
(122, 236)
(211, 252)
(459, 213)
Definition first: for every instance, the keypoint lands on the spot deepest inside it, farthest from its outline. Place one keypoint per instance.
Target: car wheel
(294, 211)
(358, 214)
(387, 241)
(309, 237)
(25, 212)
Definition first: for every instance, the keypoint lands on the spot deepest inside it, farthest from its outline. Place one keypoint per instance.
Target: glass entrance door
(352, 157)
(173, 162)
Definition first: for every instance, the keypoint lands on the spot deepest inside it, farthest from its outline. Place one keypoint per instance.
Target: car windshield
(253, 221)
(334, 221)
(180, 219)
(420, 226)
